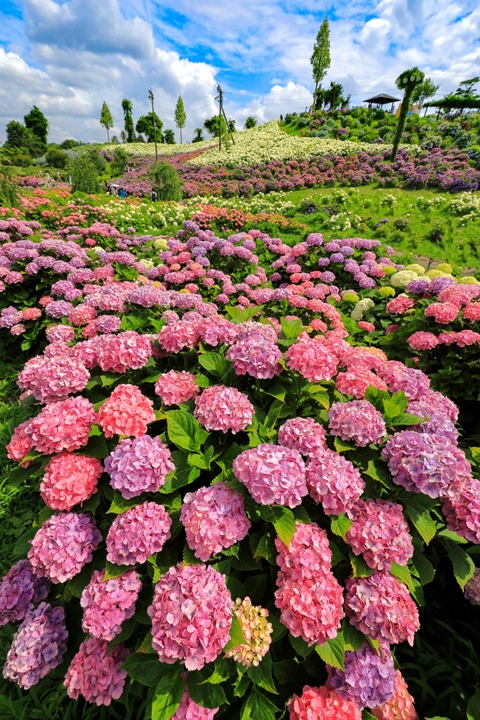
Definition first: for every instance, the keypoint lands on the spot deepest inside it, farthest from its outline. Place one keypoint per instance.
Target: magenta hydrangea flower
(63, 545)
(52, 379)
(272, 474)
(223, 408)
(422, 341)
(381, 607)
(139, 465)
(472, 588)
(126, 412)
(401, 704)
(191, 615)
(214, 518)
(189, 710)
(322, 704)
(368, 678)
(138, 533)
(63, 425)
(313, 359)
(38, 646)
(96, 673)
(126, 351)
(256, 357)
(60, 333)
(181, 334)
(20, 589)
(174, 387)
(441, 405)
(398, 376)
(20, 443)
(302, 434)
(462, 508)
(334, 481)
(218, 330)
(108, 603)
(69, 479)
(358, 421)
(424, 463)
(380, 533)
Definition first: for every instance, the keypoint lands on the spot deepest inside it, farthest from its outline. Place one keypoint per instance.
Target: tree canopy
(212, 126)
(146, 127)
(106, 119)
(127, 108)
(423, 91)
(36, 121)
(250, 122)
(320, 59)
(180, 116)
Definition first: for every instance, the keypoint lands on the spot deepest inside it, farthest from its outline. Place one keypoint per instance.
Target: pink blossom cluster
(399, 305)
(309, 597)
(191, 615)
(356, 381)
(313, 359)
(472, 312)
(302, 434)
(381, 607)
(272, 474)
(422, 341)
(380, 533)
(223, 408)
(126, 412)
(138, 533)
(179, 335)
(367, 358)
(217, 330)
(398, 377)
(60, 333)
(334, 481)
(139, 465)
(96, 673)
(175, 387)
(256, 631)
(472, 588)
(442, 312)
(63, 545)
(214, 518)
(107, 603)
(438, 423)
(69, 479)
(400, 706)
(464, 338)
(38, 646)
(189, 710)
(125, 351)
(322, 704)
(253, 355)
(462, 508)
(424, 463)
(20, 589)
(368, 678)
(358, 421)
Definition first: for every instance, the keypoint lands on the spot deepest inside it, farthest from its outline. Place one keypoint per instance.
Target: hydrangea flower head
(322, 704)
(256, 357)
(51, 379)
(398, 376)
(313, 359)
(302, 434)
(174, 387)
(96, 673)
(462, 508)
(400, 706)
(368, 678)
(20, 589)
(223, 408)
(139, 465)
(256, 631)
(334, 481)
(138, 533)
(358, 421)
(189, 710)
(126, 412)
(69, 480)
(108, 603)
(272, 474)
(355, 382)
(472, 588)
(63, 425)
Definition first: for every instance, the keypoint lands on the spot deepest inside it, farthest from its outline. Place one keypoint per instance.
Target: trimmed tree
(36, 121)
(407, 82)
(320, 59)
(146, 127)
(106, 119)
(250, 122)
(127, 108)
(180, 116)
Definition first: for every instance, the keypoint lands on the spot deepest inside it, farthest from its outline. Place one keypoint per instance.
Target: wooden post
(220, 111)
(150, 95)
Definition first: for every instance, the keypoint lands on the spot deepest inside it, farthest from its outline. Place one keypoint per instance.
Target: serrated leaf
(282, 519)
(421, 519)
(184, 474)
(406, 419)
(342, 446)
(205, 694)
(265, 548)
(241, 685)
(258, 707)
(238, 315)
(359, 566)
(423, 566)
(450, 535)
(261, 675)
(97, 448)
(214, 363)
(352, 637)
(220, 673)
(145, 669)
(333, 652)
(185, 431)
(391, 410)
(113, 571)
(340, 525)
(20, 476)
(168, 695)
(126, 632)
(377, 471)
(120, 504)
(402, 573)
(400, 399)
(236, 635)
(291, 329)
(463, 565)
(300, 646)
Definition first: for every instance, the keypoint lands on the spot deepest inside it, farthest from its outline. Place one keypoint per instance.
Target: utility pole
(220, 113)
(150, 97)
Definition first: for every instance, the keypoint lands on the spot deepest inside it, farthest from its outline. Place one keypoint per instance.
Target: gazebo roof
(382, 99)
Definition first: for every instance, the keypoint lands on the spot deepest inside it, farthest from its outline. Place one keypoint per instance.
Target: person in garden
(122, 193)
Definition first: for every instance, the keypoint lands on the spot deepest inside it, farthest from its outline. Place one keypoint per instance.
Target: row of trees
(148, 125)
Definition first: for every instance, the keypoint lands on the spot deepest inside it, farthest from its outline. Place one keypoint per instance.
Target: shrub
(165, 181)
(84, 174)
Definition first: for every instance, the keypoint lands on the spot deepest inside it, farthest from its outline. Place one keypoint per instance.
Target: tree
(232, 126)
(198, 137)
(332, 96)
(212, 125)
(180, 116)
(15, 134)
(165, 181)
(320, 59)
(169, 137)
(84, 175)
(250, 122)
(145, 126)
(407, 81)
(119, 162)
(18, 136)
(466, 87)
(36, 121)
(127, 108)
(56, 158)
(423, 91)
(123, 136)
(106, 119)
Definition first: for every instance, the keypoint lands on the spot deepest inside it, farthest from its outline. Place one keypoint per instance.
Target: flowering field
(242, 481)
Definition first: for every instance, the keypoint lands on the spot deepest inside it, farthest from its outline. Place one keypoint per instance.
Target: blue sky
(67, 56)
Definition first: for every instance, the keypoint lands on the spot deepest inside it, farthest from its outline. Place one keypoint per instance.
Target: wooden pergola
(382, 99)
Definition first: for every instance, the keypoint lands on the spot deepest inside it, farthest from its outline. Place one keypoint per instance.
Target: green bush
(165, 181)
(56, 158)
(84, 174)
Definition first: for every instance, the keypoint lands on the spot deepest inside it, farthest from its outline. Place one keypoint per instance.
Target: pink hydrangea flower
(440, 404)
(462, 508)
(381, 607)
(367, 326)
(368, 678)
(398, 377)
(218, 330)
(472, 312)
(126, 412)
(313, 359)
(63, 425)
(368, 358)
(174, 387)
(31, 313)
(334, 481)
(355, 382)
(358, 421)
(60, 333)
(139, 465)
(438, 422)
(20, 443)
(399, 305)
(63, 545)
(443, 313)
(380, 533)
(181, 334)
(138, 533)
(189, 710)
(122, 352)
(256, 357)
(223, 408)
(272, 474)
(302, 434)
(108, 603)
(51, 379)
(422, 341)
(38, 646)
(20, 589)
(322, 704)
(191, 615)
(95, 673)
(256, 631)
(214, 518)
(401, 704)
(69, 479)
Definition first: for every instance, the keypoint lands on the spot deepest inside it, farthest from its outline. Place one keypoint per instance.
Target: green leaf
(258, 707)
(423, 566)
(214, 363)
(282, 519)
(220, 673)
(113, 571)
(266, 548)
(277, 391)
(185, 431)
(319, 394)
(407, 419)
(366, 715)
(450, 535)
(340, 525)
(353, 638)
(391, 410)
(403, 574)
(168, 695)
(463, 565)
(241, 685)
(291, 329)
(342, 446)
(333, 652)
(359, 566)
(421, 519)
(202, 461)
(184, 474)
(261, 675)
(205, 694)
(377, 471)
(238, 315)
(145, 669)
(97, 447)
(473, 707)
(236, 635)
(126, 632)
(19, 476)
(300, 646)
(120, 504)
(400, 399)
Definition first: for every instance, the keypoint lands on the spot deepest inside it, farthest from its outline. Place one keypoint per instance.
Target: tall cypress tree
(127, 113)
(106, 119)
(180, 116)
(320, 59)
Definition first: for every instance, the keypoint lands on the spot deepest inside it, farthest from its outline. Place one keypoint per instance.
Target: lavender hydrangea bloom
(368, 678)
(20, 589)
(139, 465)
